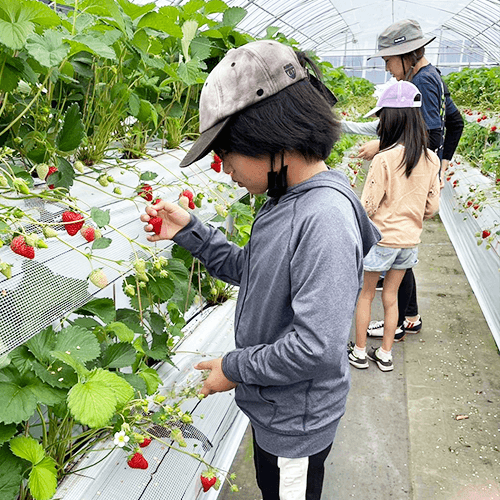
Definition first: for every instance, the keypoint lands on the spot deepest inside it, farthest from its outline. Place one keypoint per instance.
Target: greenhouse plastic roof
(335, 27)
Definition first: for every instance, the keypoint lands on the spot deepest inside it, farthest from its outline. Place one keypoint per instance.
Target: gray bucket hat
(246, 75)
(400, 38)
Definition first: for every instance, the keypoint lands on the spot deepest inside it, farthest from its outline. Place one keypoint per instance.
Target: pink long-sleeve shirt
(397, 204)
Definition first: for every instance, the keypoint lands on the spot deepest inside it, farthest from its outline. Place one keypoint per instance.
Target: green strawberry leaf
(87, 323)
(104, 309)
(177, 268)
(163, 288)
(42, 480)
(6, 432)
(27, 448)
(118, 356)
(101, 243)
(200, 49)
(134, 11)
(77, 365)
(123, 391)
(48, 49)
(163, 20)
(12, 473)
(156, 323)
(41, 345)
(45, 394)
(91, 43)
(233, 16)
(214, 6)
(152, 379)
(78, 342)
(65, 174)
(100, 217)
(92, 403)
(18, 403)
(136, 382)
(56, 374)
(72, 132)
(132, 320)
(190, 72)
(148, 176)
(122, 331)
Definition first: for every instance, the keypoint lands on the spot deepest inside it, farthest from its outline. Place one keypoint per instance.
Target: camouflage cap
(245, 76)
(400, 38)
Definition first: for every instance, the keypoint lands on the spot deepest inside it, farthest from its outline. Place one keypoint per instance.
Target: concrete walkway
(431, 428)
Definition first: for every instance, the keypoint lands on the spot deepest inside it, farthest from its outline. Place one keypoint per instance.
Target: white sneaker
(376, 329)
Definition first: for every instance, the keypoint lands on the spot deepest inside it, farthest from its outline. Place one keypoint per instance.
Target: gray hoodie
(299, 277)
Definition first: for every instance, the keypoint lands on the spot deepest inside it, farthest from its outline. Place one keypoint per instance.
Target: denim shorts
(384, 258)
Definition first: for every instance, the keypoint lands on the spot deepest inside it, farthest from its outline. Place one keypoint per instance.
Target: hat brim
(203, 144)
(404, 48)
(373, 112)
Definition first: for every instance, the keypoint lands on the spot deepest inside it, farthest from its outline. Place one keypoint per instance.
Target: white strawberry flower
(121, 439)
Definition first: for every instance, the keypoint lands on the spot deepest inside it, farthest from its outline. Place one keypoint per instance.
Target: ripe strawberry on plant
(485, 233)
(476, 206)
(493, 129)
(208, 479)
(216, 166)
(98, 278)
(73, 222)
(138, 461)
(90, 233)
(52, 170)
(18, 245)
(146, 192)
(156, 222)
(145, 443)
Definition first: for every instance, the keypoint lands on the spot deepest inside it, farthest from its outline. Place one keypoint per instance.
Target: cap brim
(203, 144)
(372, 112)
(404, 48)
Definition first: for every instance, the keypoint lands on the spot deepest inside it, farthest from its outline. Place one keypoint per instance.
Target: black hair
(412, 59)
(298, 118)
(404, 126)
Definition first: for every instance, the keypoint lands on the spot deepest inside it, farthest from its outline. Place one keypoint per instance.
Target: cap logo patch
(400, 39)
(290, 71)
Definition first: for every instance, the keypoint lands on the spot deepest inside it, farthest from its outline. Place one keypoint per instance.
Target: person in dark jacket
(301, 272)
(402, 46)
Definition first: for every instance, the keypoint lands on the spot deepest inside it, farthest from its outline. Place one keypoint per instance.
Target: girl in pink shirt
(401, 191)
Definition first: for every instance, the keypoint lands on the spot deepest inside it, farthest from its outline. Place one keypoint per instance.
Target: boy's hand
(174, 218)
(369, 149)
(216, 381)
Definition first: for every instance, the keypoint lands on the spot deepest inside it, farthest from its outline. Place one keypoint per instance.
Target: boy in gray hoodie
(300, 273)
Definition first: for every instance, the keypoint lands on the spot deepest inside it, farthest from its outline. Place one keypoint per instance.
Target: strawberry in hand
(156, 222)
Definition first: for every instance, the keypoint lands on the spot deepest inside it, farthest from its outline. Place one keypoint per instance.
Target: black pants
(268, 474)
(407, 297)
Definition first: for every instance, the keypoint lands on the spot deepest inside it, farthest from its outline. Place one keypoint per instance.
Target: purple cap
(399, 95)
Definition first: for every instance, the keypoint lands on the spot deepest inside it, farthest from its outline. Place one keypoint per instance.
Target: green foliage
(477, 89)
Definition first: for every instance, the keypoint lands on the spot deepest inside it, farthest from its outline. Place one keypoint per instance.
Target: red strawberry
(188, 194)
(146, 191)
(469, 203)
(138, 461)
(145, 443)
(485, 233)
(216, 166)
(493, 128)
(90, 233)
(475, 207)
(73, 222)
(217, 159)
(191, 205)
(18, 245)
(484, 117)
(448, 178)
(51, 171)
(157, 200)
(208, 479)
(156, 222)
(478, 120)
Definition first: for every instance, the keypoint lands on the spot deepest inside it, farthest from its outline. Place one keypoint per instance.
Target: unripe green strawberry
(49, 232)
(79, 166)
(3, 181)
(31, 239)
(98, 278)
(6, 269)
(20, 186)
(140, 265)
(110, 178)
(117, 190)
(42, 169)
(129, 290)
(103, 180)
(221, 210)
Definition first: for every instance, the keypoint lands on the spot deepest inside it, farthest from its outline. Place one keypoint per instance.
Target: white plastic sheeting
(481, 266)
